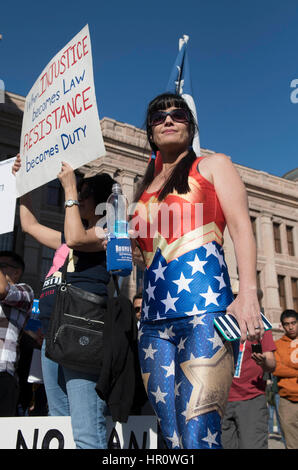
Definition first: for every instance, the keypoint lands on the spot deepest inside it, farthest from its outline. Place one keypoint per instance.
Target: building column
(271, 295)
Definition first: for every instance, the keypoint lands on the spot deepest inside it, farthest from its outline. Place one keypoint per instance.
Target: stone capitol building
(273, 205)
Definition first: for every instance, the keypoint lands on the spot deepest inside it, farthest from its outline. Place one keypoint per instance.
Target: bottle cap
(116, 188)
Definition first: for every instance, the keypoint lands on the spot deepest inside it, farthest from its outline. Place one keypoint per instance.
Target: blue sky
(243, 57)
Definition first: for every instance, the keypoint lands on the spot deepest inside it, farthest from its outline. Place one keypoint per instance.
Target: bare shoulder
(216, 159)
(212, 164)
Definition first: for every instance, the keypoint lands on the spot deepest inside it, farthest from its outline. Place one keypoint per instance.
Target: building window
(54, 193)
(276, 233)
(259, 286)
(290, 241)
(140, 280)
(294, 282)
(254, 226)
(7, 241)
(282, 291)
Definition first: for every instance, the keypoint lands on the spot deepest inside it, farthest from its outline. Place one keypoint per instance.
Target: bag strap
(115, 279)
(64, 269)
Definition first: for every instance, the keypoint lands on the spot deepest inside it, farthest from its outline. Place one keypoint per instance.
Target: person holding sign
(71, 392)
(187, 367)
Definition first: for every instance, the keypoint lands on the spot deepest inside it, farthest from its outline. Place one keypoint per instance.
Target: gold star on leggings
(211, 379)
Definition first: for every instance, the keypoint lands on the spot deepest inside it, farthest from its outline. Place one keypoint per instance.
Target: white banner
(42, 432)
(7, 196)
(60, 121)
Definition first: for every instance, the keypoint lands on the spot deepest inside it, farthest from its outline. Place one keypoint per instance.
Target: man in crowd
(286, 356)
(245, 423)
(137, 305)
(15, 307)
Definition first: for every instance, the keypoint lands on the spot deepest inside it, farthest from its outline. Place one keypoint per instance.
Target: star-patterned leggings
(187, 370)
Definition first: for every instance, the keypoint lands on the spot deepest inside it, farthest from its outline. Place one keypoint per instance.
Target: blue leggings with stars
(187, 369)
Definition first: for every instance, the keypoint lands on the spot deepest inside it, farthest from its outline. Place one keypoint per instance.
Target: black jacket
(120, 372)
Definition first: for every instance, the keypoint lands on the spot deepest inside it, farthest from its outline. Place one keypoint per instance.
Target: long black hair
(178, 179)
(100, 186)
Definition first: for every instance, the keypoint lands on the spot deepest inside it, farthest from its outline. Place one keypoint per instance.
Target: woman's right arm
(44, 235)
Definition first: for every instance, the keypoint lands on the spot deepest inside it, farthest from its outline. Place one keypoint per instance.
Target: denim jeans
(273, 410)
(72, 393)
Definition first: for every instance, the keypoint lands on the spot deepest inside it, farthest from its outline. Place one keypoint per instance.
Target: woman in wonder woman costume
(182, 208)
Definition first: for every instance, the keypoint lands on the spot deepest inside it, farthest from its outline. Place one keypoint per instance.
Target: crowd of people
(206, 392)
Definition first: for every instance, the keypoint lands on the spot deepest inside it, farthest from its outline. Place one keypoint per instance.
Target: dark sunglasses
(178, 115)
(137, 309)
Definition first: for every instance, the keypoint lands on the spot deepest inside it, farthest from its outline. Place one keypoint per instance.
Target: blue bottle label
(119, 256)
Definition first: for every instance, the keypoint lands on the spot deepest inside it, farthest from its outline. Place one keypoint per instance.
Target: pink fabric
(59, 259)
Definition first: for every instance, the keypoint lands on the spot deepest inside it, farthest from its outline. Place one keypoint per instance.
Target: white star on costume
(197, 265)
(150, 291)
(170, 302)
(174, 440)
(159, 272)
(195, 311)
(182, 283)
(210, 438)
(145, 310)
(221, 281)
(197, 320)
(176, 391)
(211, 250)
(210, 297)
(216, 341)
(167, 333)
(181, 344)
(140, 333)
(221, 260)
(170, 369)
(184, 413)
(159, 395)
(149, 352)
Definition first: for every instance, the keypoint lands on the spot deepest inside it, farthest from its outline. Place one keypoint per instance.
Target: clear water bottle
(117, 213)
(119, 255)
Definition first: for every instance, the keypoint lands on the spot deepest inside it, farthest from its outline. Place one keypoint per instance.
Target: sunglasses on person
(137, 309)
(177, 115)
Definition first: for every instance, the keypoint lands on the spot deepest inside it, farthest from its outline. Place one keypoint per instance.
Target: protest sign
(60, 121)
(55, 432)
(7, 196)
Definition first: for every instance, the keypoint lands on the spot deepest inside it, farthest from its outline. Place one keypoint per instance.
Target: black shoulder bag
(75, 335)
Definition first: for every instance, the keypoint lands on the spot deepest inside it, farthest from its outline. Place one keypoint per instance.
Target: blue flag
(180, 82)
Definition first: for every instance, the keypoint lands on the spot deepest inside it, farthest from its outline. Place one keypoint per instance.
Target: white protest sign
(55, 432)
(7, 196)
(60, 121)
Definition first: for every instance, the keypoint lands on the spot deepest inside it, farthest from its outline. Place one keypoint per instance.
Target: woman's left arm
(76, 235)
(232, 196)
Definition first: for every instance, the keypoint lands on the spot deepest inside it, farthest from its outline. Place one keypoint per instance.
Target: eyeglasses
(137, 309)
(178, 115)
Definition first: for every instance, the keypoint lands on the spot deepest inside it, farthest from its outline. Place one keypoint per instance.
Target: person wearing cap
(245, 422)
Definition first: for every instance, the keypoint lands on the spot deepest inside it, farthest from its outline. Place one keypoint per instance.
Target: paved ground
(275, 442)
